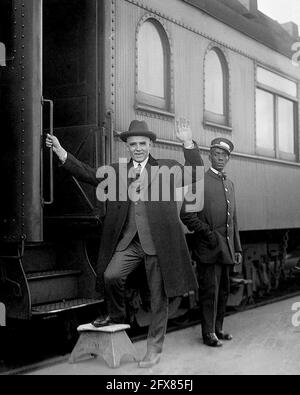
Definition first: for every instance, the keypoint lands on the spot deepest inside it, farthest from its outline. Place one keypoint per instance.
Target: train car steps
(109, 342)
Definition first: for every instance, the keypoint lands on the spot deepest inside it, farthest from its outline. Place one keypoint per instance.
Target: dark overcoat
(216, 235)
(164, 222)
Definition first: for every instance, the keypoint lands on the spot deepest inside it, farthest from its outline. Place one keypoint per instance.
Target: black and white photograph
(150, 197)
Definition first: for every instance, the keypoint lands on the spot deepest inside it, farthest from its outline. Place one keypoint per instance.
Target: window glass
(2, 55)
(151, 61)
(264, 119)
(277, 82)
(286, 125)
(214, 84)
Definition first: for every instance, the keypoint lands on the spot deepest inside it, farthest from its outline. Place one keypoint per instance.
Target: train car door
(51, 79)
(71, 69)
(51, 83)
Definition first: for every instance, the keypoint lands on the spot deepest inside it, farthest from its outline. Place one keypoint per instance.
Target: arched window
(216, 88)
(153, 85)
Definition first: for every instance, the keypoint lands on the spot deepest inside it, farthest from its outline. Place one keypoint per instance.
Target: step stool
(109, 342)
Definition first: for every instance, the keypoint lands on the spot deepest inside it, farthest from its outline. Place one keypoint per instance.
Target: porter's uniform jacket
(216, 235)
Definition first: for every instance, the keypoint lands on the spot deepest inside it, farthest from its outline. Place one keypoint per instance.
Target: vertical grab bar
(103, 145)
(111, 136)
(51, 132)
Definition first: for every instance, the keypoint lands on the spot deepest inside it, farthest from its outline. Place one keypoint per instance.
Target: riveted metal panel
(11, 199)
(21, 210)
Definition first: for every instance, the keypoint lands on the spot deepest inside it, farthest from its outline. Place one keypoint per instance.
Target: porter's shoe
(210, 339)
(224, 336)
(151, 358)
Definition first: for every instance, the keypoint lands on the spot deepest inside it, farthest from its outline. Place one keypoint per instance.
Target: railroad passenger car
(83, 69)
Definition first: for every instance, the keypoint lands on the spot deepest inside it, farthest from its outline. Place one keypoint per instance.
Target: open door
(71, 68)
(50, 83)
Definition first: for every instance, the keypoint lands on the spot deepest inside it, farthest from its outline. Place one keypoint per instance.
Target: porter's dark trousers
(121, 265)
(214, 292)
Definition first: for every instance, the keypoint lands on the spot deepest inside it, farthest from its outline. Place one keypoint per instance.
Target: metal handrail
(51, 132)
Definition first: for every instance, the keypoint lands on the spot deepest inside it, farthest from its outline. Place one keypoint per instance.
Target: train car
(83, 69)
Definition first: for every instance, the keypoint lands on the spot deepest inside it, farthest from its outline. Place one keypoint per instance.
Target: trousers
(119, 268)
(214, 286)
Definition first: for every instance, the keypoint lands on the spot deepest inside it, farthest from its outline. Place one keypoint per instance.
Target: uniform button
(228, 214)
(228, 201)
(226, 189)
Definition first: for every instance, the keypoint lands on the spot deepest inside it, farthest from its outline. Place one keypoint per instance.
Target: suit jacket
(163, 221)
(216, 235)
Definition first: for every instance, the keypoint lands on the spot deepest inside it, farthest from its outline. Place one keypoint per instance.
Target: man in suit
(216, 243)
(142, 230)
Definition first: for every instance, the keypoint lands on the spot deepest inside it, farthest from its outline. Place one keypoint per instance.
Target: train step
(63, 306)
(50, 286)
(51, 274)
(39, 257)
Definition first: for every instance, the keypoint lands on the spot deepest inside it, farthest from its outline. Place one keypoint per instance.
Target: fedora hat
(138, 128)
(222, 143)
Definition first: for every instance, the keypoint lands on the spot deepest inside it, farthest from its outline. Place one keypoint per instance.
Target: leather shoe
(100, 322)
(151, 358)
(224, 336)
(210, 339)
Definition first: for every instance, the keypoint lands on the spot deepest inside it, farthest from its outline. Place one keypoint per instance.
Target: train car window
(2, 55)
(276, 115)
(153, 66)
(277, 82)
(286, 126)
(216, 88)
(265, 119)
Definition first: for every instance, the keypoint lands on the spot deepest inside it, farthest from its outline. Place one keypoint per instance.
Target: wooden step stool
(109, 342)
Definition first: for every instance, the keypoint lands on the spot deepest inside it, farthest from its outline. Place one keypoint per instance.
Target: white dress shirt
(143, 164)
(215, 171)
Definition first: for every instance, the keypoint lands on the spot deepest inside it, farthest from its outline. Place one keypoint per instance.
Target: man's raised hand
(184, 132)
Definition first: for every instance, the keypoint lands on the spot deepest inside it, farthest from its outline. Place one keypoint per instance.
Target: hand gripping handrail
(51, 132)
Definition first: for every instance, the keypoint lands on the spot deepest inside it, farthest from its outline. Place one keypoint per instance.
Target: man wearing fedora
(216, 242)
(139, 231)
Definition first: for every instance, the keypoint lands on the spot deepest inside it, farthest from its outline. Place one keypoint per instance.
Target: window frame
(277, 153)
(210, 118)
(144, 100)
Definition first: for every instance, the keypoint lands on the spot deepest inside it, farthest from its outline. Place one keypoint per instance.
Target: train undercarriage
(40, 281)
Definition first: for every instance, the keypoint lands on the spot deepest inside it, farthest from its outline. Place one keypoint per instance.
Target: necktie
(222, 175)
(138, 171)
